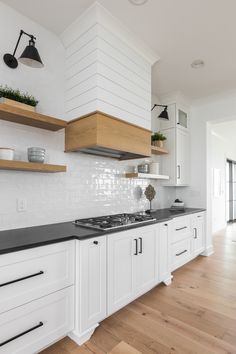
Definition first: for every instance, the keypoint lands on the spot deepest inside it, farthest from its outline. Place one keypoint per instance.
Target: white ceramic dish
(6, 153)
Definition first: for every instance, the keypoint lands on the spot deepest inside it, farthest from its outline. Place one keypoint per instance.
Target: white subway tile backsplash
(92, 185)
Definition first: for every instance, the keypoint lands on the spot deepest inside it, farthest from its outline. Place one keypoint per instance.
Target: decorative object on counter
(144, 168)
(164, 113)
(6, 153)
(18, 99)
(150, 195)
(158, 139)
(178, 205)
(36, 154)
(154, 168)
(29, 57)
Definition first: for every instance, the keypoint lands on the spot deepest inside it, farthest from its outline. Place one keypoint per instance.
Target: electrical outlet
(21, 205)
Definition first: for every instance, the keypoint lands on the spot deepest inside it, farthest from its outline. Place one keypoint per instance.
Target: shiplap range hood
(104, 135)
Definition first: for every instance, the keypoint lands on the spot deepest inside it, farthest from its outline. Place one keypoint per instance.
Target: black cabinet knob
(95, 242)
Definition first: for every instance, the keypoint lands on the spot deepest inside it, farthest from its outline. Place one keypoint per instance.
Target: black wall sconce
(164, 113)
(29, 57)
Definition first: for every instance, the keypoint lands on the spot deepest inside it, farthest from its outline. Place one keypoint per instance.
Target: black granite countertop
(29, 237)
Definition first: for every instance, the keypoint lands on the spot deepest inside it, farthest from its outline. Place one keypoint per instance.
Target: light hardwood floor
(196, 314)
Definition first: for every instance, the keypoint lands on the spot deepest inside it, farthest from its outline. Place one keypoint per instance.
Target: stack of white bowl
(36, 154)
(6, 153)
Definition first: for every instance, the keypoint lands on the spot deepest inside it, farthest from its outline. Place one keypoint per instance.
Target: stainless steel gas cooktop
(110, 222)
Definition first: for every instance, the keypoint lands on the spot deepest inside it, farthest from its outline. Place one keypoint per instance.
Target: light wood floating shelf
(30, 166)
(33, 119)
(145, 175)
(158, 151)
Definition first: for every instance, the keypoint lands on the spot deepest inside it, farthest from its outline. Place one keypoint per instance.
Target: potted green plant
(16, 98)
(158, 139)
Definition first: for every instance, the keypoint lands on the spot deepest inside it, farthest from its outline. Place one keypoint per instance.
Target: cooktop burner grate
(110, 222)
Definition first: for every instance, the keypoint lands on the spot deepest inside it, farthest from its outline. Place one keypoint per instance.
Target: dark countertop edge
(96, 233)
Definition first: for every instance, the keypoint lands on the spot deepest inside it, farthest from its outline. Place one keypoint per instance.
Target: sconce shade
(164, 114)
(31, 57)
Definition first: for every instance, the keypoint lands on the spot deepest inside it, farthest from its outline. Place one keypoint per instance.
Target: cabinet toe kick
(82, 337)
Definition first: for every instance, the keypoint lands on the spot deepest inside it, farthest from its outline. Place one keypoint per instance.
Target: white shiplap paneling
(105, 71)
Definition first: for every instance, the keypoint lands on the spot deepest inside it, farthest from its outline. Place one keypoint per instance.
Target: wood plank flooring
(196, 314)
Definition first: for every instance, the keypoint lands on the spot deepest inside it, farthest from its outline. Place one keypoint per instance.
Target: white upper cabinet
(182, 157)
(176, 164)
(178, 117)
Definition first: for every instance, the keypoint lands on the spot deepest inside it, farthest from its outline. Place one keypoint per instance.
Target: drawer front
(180, 253)
(30, 274)
(181, 229)
(31, 327)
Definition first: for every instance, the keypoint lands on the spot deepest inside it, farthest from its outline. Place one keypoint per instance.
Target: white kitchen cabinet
(146, 263)
(176, 164)
(90, 285)
(121, 249)
(132, 265)
(180, 253)
(178, 117)
(198, 233)
(31, 327)
(164, 258)
(29, 274)
(92, 280)
(182, 157)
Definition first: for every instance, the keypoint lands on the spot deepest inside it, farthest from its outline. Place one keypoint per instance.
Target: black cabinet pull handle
(95, 242)
(141, 245)
(23, 278)
(136, 247)
(178, 168)
(195, 232)
(21, 334)
(165, 224)
(179, 254)
(181, 228)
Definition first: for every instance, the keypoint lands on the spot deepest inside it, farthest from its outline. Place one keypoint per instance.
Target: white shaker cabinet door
(121, 251)
(146, 263)
(92, 282)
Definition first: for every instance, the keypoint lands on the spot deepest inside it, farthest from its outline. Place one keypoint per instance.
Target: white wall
(103, 70)
(93, 185)
(45, 84)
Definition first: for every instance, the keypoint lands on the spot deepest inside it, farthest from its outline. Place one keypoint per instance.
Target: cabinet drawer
(181, 229)
(30, 274)
(31, 327)
(180, 253)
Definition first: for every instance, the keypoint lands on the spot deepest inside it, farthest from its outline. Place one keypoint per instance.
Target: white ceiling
(178, 30)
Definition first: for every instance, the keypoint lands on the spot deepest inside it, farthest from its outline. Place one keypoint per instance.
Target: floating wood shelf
(30, 166)
(158, 151)
(145, 175)
(33, 119)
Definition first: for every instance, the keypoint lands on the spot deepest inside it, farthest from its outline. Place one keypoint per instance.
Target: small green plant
(18, 96)
(158, 136)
